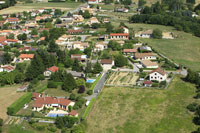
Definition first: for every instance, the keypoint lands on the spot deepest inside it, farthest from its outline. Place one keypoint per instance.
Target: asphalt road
(100, 84)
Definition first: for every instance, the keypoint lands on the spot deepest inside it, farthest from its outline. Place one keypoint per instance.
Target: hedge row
(133, 61)
(26, 98)
(17, 105)
(87, 110)
(95, 82)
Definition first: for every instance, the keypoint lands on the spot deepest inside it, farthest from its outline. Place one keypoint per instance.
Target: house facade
(50, 70)
(144, 56)
(119, 36)
(158, 75)
(107, 64)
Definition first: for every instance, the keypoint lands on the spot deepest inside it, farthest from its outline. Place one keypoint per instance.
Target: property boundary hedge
(87, 110)
(18, 104)
(133, 61)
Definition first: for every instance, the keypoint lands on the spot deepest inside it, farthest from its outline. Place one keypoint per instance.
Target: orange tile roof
(73, 113)
(119, 34)
(53, 69)
(26, 56)
(129, 50)
(159, 70)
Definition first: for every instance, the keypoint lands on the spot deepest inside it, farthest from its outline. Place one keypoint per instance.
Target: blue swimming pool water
(90, 80)
(55, 115)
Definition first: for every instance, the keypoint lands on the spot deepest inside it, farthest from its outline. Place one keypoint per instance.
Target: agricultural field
(31, 6)
(8, 96)
(126, 110)
(184, 49)
(122, 79)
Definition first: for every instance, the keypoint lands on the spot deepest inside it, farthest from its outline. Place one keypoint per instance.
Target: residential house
(13, 20)
(126, 30)
(100, 46)
(158, 75)
(93, 1)
(129, 52)
(93, 20)
(50, 70)
(26, 57)
(79, 57)
(145, 49)
(22, 88)
(36, 95)
(73, 31)
(13, 41)
(147, 83)
(119, 36)
(78, 18)
(107, 64)
(41, 10)
(144, 34)
(2, 41)
(149, 64)
(79, 45)
(51, 102)
(121, 10)
(76, 74)
(7, 68)
(144, 56)
(73, 113)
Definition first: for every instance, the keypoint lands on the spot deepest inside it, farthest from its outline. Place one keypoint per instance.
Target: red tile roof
(159, 70)
(119, 34)
(53, 69)
(35, 95)
(12, 40)
(8, 67)
(73, 113)
(148, 82)
(129, 50)
(26, 56)
(13, 19)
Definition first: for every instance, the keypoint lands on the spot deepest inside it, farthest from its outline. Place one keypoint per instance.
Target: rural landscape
(100, 66)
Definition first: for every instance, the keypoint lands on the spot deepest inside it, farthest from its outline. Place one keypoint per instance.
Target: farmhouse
(144, 34)
(149, 64)
(51, 102)
(130, 52)
(119, 36)
(50, 70)
(26, 57)
(144, 56)
(158, 75)
(107, 63)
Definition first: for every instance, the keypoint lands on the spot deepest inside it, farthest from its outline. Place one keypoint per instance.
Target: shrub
(155, 85)
(52, 128)
(163, 83)
(1, 122)
(41, 77)
(192, 107)
(88, 85)
(90, 92)
(52, 84)
(72, 97)
(81, 89)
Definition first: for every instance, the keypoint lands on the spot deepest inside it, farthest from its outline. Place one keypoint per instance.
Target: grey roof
(76, 74)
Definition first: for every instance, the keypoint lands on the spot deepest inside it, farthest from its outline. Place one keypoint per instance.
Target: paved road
(135, 68)
(98, 87)
(83, 37)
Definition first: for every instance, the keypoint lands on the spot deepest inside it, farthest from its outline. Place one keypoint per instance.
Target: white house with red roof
(119, 36)
(26, 57)
(158, 75)
(2, 41)
(93, 1)
(50, 70)
(51, 102)
(107, 64)
(7, 68)
(13, 20)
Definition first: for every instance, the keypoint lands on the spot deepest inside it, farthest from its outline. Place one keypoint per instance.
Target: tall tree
(76, 66)
(97, 68)
(69, 83)
(6, 58)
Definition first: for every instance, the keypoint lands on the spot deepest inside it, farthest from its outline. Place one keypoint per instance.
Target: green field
(31, 6)
(143, 110)
(184, 49)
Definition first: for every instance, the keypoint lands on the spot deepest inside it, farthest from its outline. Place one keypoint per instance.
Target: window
(155, 73)
(160, 78)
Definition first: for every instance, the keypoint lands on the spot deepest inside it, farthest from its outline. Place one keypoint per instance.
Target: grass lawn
(31, 6)
(185, 49)
(8, 95)
(143, 110)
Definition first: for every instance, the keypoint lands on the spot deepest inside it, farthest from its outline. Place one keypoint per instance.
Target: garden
(121, 79)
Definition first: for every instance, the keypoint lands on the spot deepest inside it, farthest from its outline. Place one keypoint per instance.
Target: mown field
(184, 49)
(143, 110)
(31, 6)
(8, 95)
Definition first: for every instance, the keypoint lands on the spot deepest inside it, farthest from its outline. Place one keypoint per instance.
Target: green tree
(6, 58)
(97, 68)
(86, 14)
(80, 82)
(88, 68)
(69, 83)
(114, 45)
(141, 3)
(68, 62)
(22, 37)
(76, 66)
(34, 32)
(157, 34)
(53, 47)
(120, 61)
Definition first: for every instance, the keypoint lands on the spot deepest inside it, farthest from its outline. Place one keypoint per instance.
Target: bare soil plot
(8, 95)
(122, 78)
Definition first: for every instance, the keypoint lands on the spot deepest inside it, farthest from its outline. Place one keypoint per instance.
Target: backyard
(122, 79)
(31, 6)
(120, 109)
(8, 95)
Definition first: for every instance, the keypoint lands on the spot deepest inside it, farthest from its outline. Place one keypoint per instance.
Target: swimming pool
(90, 80)
(55, 115)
